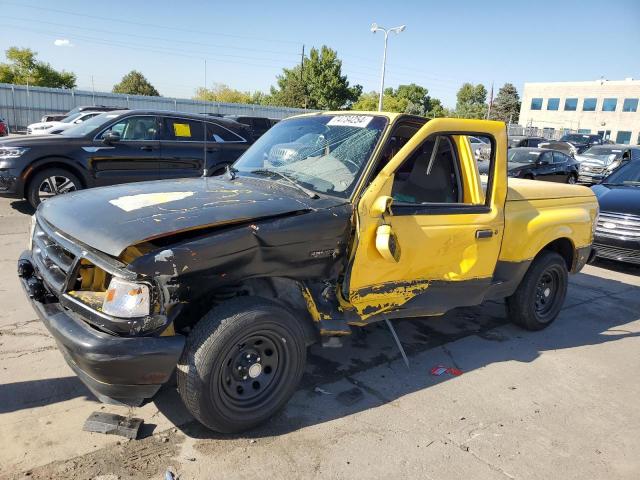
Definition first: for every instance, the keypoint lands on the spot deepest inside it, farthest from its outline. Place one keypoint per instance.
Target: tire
(539, 298)
(218, 379)
(62, 178)
(572, 179)
(219, 169)
(528, 177)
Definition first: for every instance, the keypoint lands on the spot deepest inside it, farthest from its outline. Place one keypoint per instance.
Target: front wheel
(538, 299)
(241, 364)
(49, 183)
(572, 179)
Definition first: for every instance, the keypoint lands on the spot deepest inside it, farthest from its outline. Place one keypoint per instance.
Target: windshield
(523, 156)
(604, 153)
(575, 138)
(324, 153)
(87, 126)
(71, 118)
(628, 174)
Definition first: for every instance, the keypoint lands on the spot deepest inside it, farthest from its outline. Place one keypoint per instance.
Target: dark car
(55, 117)
(524, 141)
(119, 147)
(602, 160)
(617, 235)
(4, 127)
(540, 164)
(574, 143)
(259, 125)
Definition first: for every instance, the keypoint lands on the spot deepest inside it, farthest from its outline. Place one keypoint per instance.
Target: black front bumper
(116, 369)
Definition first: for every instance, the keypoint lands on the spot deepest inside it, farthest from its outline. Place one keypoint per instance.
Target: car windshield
(71, 118)
(87, 126)
(324, 153)
(523, 156)
(628, 174)
(576, 138)
(604, 153)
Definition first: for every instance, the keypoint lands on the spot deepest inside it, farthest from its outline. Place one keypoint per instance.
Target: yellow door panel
(438, 246)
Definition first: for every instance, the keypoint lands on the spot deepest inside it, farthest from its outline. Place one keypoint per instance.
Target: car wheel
(241, 364)
(219, 169)
(572, 179)
(528, 177)
(538, 299)
(49, 183)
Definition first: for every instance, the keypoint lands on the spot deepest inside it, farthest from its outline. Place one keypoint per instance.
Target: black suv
(119, 147)
(258, 125)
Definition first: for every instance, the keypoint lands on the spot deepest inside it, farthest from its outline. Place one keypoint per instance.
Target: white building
(607, 107)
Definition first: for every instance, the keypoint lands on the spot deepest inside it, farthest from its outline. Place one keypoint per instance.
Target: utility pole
(93, 90)
(490, 102)
(304, 87)
(375, 28)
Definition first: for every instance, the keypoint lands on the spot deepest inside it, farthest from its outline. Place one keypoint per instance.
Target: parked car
(574, 143)
(4, 127)
(617, 234)
(226, 281)
(524, 141)
(481, 148)
(45, 128)
(119, 147)
(601, 160)
(541, 164)
(258, 125)
(93, 108)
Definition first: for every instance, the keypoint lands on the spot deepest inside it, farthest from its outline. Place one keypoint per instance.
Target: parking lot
(559, 403)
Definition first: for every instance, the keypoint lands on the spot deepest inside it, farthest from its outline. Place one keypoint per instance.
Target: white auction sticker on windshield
(358, 121)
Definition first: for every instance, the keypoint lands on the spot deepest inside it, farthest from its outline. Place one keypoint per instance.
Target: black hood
(37, 140)
(110, 219)
(618, 198)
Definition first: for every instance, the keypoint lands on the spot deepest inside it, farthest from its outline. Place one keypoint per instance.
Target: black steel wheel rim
(547, 292)
(251, 370)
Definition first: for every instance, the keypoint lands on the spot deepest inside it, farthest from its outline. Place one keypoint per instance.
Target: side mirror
(110, 137)
(387, 244)
(381, 206)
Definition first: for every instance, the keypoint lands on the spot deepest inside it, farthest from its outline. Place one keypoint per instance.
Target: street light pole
(374, 29)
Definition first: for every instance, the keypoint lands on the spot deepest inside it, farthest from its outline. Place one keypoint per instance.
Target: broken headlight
(126, 299)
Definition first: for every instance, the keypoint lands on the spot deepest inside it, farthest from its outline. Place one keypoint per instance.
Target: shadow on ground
(38, 393)
(23, 206)
(587, 319)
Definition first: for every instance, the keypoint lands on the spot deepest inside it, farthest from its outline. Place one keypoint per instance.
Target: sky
(245, 44)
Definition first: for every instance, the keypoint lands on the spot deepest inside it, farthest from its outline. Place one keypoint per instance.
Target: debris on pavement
(350, 397)
(439, 370)
(112, 424)
(322, 391)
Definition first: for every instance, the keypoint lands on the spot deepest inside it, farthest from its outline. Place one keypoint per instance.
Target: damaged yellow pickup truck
(329, 222)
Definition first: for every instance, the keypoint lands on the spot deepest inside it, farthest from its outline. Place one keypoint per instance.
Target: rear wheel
(49, 183)
(528, 176)
(572, 179)
(540, 296)
(241, 364)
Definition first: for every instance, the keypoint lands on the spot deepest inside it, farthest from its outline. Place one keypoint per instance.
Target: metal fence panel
(22, 105)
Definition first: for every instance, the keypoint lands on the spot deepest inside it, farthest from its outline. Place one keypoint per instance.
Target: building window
(553, 103)
(536, 104)
(589, 104)
(570, 104)
(609, 104)
(623, 137)
(630, 105)
(584, 130)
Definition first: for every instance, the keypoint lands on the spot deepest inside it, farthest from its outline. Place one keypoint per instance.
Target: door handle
(484, 233)
(146, 148)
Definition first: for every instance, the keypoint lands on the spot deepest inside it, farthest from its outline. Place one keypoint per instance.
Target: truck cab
(329, 222)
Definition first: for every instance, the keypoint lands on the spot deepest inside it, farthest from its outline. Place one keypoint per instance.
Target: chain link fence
(21, 105)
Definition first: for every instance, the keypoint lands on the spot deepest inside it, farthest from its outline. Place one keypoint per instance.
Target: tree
(471, 101)
(134, 83)
(506, 106)
(319, 85)
(410, 98)
(223, 93)
(24, 69)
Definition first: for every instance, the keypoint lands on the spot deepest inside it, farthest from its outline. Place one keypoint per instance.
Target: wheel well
(564, 247)
(53, 164)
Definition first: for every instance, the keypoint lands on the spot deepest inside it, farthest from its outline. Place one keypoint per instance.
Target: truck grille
(618, 225)
(53, 263)
(616, 253)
